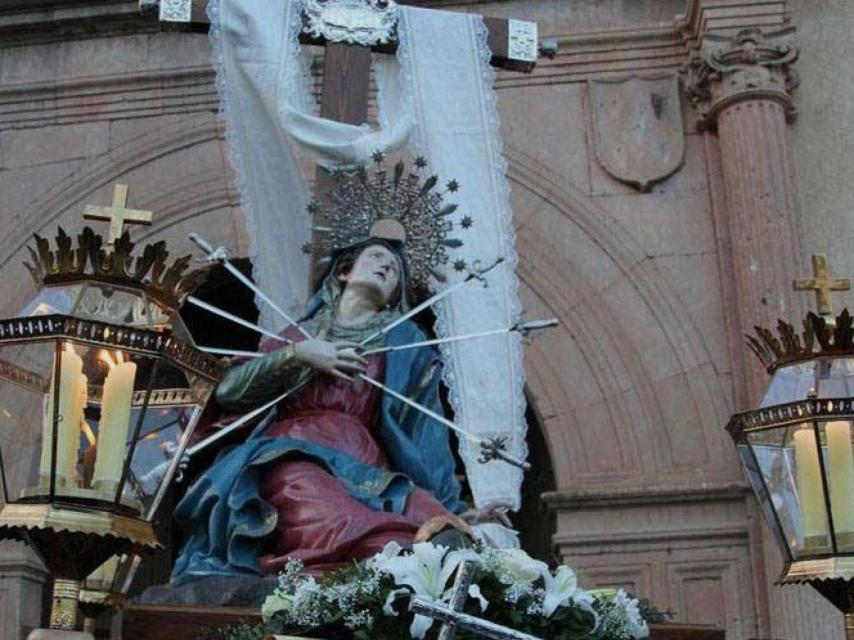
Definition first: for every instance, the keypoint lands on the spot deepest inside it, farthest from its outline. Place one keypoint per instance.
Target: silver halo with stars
(395, 205)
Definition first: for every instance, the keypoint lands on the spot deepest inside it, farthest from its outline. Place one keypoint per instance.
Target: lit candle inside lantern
(840, 457)
(72, 401)
(115, 421)
(74, 427)
(810, 492)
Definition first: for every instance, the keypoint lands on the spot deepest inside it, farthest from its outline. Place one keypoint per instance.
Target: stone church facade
(673, 167)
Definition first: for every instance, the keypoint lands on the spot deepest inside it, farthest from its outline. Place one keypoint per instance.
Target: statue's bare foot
(491, 512)
(437, 524)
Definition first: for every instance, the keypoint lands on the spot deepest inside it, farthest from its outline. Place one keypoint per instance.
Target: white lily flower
(559, 587)
(377, 562)
(426, 571)
(635, 624)
(519, 567)
(584, 600)
(274, 603)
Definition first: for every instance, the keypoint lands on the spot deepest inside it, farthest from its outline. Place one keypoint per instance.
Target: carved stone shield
(637, 125)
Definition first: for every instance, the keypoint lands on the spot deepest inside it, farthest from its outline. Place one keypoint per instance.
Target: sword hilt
(478, 273)
(495, 449)
(219, 254)
(527, 328)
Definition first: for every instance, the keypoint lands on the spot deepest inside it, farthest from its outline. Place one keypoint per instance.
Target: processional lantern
(101, 388)
(797, 447)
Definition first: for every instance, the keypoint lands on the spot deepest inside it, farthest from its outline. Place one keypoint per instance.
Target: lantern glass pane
(838, 451)
(763, 495)
(53, 300)
(103, 395)
(100, 302)
(788, 461)
(26, 370)
(174, 404)
(835, 377)
(829, 377)
(789, 384)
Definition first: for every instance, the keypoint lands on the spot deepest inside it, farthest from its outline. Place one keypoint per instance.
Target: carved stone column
(742, 87)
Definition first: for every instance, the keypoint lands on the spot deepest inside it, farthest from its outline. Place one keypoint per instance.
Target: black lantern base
(831, 577)
(59, 634)
(72, 542)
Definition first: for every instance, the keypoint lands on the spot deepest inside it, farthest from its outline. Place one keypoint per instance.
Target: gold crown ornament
(819, 338)
(370, 203)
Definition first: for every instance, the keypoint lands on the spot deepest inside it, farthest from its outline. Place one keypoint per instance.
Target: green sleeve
(255, 382)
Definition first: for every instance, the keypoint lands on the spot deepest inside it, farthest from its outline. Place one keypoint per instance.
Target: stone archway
(621, 328)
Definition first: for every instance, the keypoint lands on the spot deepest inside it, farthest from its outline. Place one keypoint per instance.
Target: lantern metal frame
(75, 529)
(145, 342)
(829, 568)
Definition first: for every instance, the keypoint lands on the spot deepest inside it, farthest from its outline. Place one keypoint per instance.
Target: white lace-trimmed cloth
(437, 96)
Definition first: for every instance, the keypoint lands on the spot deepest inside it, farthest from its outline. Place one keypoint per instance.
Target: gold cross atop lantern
(797, 446)
(822, 284)
(117, 214)
(101, 388)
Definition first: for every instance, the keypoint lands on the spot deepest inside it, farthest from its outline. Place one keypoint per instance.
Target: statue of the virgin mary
(340, 468)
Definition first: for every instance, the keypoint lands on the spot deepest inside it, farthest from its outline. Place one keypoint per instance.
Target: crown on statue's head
(371, 203)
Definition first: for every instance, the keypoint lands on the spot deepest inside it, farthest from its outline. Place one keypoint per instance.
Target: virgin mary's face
(376, 269)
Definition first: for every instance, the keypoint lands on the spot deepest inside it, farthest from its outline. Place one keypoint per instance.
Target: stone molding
(749, 66)
(582, 56)
(131, 95)
(571, 500)
(692, 548)
(42, 21)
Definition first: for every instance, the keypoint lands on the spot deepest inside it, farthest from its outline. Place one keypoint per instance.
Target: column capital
(751, 65)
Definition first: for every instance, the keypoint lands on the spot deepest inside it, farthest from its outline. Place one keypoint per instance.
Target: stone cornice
(581, 55)
(86, 99)
(576, 500)
(39, 21)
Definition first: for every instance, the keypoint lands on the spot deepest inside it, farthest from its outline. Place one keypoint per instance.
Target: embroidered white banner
(438, 96)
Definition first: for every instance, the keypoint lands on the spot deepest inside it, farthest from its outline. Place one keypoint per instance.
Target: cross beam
(503, 39)
(459, 595)
(822, 284)
(118, 215)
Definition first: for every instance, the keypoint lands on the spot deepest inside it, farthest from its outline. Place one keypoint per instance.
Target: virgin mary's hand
(340, 359)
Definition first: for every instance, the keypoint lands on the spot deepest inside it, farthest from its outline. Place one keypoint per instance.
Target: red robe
(319, 522)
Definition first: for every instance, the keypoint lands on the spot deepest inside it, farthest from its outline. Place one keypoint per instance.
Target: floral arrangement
(368, 601)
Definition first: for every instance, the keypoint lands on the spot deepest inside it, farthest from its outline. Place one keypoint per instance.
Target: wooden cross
(822, 285)
(459, 595)
(452, 616)
(117, 214)
(346, 69)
